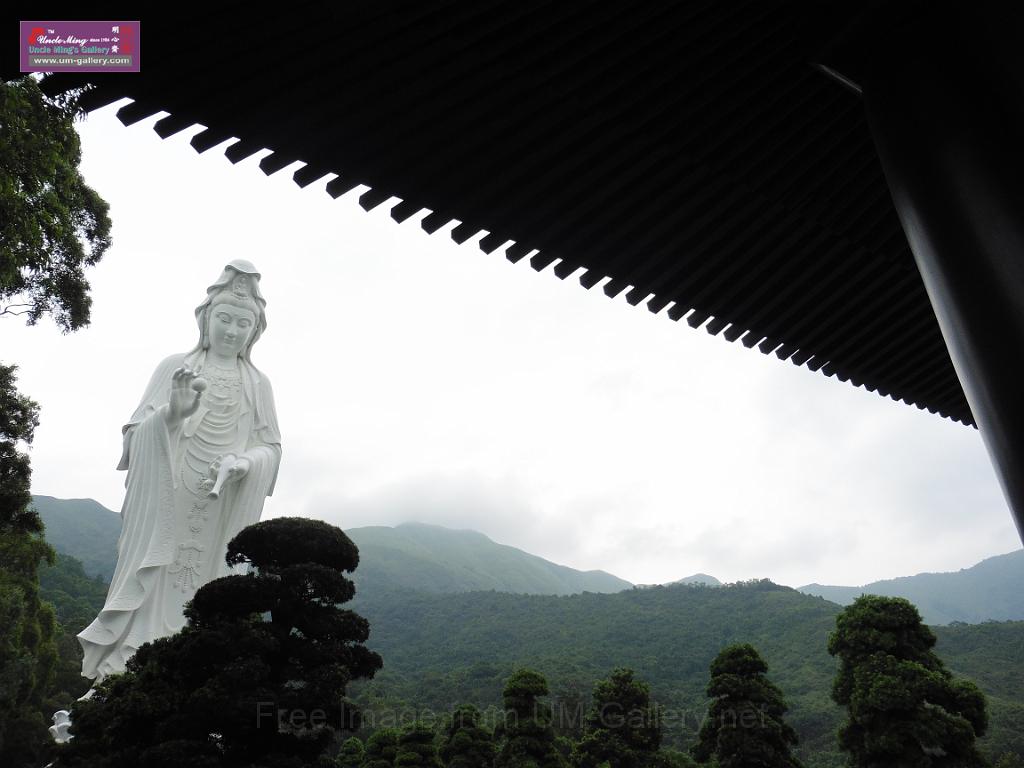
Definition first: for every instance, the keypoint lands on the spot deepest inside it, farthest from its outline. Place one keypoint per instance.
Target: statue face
(230, 329)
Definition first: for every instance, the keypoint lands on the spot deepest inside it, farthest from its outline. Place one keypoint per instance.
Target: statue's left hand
(239, 469)
(225, 470)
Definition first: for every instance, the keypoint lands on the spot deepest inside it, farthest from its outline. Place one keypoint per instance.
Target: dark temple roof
(689, 151)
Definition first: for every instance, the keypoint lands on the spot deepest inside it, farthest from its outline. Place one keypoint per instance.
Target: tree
(904, 707)
(28, 650)
(744, 724)
(416, 748)
(351, 753)
(467, 743)
(48, 218)
(528, 740)
(52, 224)
(622, 728)
(259, 674)
(381, 748)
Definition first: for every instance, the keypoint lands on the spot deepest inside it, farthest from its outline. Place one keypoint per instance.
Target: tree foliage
(77, 600)
(745, 725)
(52, 224)
(623, 727)
(351, 753)
(526, 736)
(466, 742)
(28, 629)
(258, 677)
(904, 707)
(381, 748)
(416, 748)
(19, 417)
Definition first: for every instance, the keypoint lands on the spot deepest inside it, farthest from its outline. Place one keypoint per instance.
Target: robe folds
(173, 537)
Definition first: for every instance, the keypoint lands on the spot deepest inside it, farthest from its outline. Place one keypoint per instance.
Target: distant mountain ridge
(410, 556)
(699, 578)
(992, 590)
(430, 558)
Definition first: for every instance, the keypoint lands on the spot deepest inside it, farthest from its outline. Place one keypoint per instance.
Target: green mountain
(442, 650)
(84, 529)
(992, 590)
(429, 558)
(699, 578)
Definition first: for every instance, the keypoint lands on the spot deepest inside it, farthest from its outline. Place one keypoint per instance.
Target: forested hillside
(84, 529)
(442, 650)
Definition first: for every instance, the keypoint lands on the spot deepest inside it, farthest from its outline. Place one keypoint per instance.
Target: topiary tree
(381, 749)
(526, 736)
(351, 753)
(622, 728)
(416, 748)
(466, 743)
(904, 707)
(258, 676)
(744, 725)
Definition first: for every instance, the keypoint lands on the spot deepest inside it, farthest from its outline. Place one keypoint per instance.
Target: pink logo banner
(80, 46)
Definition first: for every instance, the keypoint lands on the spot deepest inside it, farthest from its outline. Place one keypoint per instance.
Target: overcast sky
(420, 380)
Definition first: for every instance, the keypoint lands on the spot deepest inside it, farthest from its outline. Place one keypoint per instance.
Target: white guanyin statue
(202, 452)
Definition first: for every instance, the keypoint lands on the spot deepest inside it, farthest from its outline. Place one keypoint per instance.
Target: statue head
(238, 287)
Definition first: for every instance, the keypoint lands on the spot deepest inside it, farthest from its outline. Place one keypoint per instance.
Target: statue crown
(240, 287)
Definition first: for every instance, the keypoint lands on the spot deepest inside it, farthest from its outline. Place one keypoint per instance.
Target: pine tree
(416, 748)
(381, 749)
(622, 728)
(744, 725)
(467, 743)
(351, 753)
(527, 738)
(257, 677)
(904, 707)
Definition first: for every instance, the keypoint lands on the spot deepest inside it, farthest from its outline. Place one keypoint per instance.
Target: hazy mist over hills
(411, 556)
(431, 558)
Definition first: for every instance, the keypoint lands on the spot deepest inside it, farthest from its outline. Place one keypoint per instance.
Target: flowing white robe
(173, 538)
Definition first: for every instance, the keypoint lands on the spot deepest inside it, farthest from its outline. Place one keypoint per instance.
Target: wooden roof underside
(688, 151)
